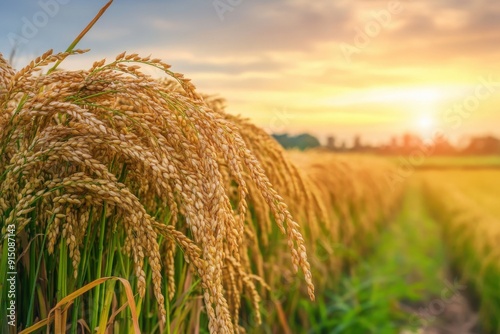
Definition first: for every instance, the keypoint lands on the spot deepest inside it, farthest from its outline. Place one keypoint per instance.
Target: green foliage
(466, 205)
(406, 266)
(301, 142)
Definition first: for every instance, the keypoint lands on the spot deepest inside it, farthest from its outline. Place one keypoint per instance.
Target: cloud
(281, 51)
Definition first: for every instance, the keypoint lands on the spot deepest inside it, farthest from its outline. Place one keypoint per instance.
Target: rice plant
(108, 168)
(466, 202)
(140, 204)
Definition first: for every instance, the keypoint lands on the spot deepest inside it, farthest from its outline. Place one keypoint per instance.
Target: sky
(330, 68)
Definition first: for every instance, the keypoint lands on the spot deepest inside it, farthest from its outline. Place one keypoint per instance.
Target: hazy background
(295, 65)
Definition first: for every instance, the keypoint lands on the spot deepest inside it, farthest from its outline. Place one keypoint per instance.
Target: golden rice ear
(6, 73)
(154, 160)
(67, 138)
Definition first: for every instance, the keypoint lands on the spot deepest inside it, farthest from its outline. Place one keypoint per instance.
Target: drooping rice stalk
(112, 151)
(108, 172)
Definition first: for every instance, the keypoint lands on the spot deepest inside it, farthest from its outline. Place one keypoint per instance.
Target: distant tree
(393, 143)
(356, 145)
(330, 142)
(483, 145)
(301, 142)
(442, 146)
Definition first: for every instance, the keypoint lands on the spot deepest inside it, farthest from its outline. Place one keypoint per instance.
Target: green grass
(466, 204)
(407, 265)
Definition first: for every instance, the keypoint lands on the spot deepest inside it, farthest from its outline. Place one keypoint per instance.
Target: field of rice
(140, 205)
(133, 202)
(467, 205)
(130, 204)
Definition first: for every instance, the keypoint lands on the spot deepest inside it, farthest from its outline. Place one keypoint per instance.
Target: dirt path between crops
(446, 316)
(450, 310)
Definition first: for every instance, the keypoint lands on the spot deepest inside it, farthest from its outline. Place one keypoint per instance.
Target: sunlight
(426, 123)
(392, 95)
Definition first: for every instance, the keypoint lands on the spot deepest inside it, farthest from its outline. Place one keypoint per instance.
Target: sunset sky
(373, 68)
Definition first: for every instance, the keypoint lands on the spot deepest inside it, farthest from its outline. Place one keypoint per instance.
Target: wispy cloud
(266, 54)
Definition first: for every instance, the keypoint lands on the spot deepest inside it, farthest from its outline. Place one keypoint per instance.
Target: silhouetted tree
(302, 142)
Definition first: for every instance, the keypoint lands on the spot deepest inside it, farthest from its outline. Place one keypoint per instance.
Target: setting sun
(426, 123)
